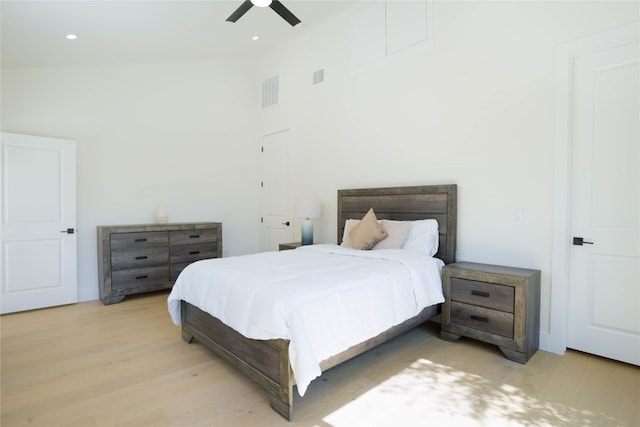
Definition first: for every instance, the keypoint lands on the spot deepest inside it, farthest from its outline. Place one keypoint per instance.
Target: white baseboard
(88, 294)
(547, 343)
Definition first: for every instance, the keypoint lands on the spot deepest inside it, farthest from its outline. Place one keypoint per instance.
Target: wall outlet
(518, 215)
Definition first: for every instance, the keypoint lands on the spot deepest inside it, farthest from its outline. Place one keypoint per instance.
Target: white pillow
(423, 236)
(396, 233)
(348, 226)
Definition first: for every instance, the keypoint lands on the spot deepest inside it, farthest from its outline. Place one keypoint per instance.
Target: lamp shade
(308, 208)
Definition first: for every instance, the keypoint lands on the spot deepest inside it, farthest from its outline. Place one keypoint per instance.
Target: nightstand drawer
(483, 294)
(483, 319)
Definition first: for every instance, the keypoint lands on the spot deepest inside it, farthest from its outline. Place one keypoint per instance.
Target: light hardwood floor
(126, 365)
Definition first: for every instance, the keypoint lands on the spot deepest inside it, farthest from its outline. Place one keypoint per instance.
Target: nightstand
(287, 246)
(495, 304)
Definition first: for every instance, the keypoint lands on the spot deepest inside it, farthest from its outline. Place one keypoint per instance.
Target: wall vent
(318, 76)
(270, 92)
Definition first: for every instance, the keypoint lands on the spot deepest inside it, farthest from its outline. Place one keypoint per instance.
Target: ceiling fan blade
(244, 7)
(286, 14)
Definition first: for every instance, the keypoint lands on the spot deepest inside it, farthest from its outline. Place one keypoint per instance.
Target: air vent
(318, 76)
(270, 89)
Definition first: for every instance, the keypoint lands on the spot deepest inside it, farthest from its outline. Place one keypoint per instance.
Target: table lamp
(307, 208)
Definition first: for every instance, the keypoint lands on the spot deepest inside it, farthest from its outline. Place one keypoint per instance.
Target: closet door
(277, 221)
(604, 283)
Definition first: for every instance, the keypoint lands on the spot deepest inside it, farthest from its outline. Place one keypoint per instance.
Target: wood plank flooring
(126, 365)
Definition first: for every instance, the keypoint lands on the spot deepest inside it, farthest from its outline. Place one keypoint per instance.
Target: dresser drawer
(183, 255)
(140, 278)
(190, 253)
(139, 240)
(124, 259)
(483, 294)
(176, 268)
(483, 319)
(186, 237)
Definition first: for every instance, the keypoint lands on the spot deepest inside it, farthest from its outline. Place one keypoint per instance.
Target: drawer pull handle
(140, 240)
(141, 257)
(479, 318)
(194, 236)
(142, 277)
(480, 294)
(194, 253)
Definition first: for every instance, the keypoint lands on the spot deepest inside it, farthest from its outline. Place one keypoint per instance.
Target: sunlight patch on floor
(427, 393)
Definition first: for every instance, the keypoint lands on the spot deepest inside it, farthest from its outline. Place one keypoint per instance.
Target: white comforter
(322, 298)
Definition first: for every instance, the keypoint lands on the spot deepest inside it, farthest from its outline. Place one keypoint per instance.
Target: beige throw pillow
(367, 233)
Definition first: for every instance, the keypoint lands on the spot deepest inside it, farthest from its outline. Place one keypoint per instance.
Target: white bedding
(322, 298)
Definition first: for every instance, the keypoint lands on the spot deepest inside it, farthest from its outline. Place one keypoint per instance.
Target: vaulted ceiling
(124, 32)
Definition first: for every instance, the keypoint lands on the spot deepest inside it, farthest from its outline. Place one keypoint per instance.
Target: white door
(277, 190)
(38, 253)
(604, 272)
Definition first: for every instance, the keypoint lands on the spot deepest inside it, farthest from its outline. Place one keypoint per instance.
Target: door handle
(286, 223)
(68, 231)
(579, 241)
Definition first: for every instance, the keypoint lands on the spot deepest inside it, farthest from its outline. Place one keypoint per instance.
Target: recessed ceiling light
(255, 38)
(71, 36)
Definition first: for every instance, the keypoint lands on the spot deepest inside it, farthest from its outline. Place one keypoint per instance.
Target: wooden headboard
(438, 202)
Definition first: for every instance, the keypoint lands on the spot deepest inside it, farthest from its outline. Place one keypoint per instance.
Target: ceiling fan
(278, 7)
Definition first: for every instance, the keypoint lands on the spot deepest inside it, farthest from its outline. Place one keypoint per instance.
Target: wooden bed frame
(266, 362)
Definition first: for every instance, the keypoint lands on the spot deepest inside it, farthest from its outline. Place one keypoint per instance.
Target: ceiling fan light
(261, 3)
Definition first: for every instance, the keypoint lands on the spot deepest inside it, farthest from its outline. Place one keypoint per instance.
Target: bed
(271, 363)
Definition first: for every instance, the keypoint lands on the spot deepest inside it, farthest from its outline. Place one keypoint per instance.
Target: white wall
(474, 106)
(176, 134)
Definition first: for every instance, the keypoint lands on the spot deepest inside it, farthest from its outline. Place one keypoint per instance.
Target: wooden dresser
(496, 304)
(142, 258)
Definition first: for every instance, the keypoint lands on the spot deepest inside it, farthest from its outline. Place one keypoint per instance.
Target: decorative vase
(162, 217)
